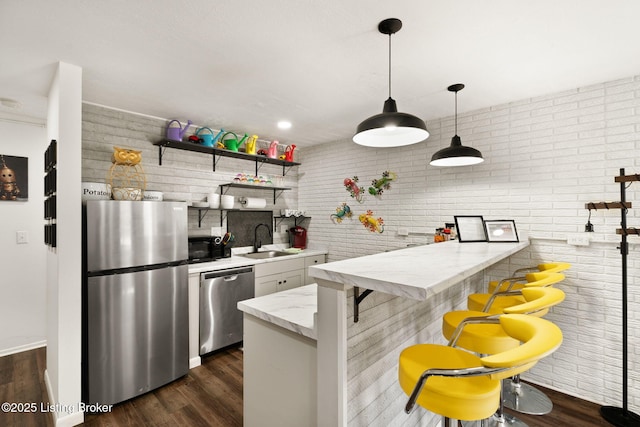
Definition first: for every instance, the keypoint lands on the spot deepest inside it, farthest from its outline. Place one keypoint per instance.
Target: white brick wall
(184, 175)
(545, 158)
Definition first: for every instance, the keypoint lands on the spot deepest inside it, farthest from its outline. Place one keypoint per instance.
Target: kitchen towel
(253, 203)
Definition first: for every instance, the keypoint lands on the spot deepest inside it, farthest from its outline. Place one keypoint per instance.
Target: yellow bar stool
(518, 275)
(460, 385)
(496, 302)
(517, 395)
(473, 331)
(469, 329)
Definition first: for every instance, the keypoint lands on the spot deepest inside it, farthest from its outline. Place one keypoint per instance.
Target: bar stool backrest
(539, 300)
(543, 278)
(539, 338)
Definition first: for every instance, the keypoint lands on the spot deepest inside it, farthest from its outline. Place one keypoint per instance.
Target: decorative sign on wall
(14, 173)
(50, 190)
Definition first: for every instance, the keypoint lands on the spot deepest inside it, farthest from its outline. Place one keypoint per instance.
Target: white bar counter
(413, 288)
(417, 272)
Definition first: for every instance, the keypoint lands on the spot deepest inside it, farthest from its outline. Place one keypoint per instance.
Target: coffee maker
(298, 237)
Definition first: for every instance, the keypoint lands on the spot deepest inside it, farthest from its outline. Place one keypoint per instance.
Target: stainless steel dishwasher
(220, 319)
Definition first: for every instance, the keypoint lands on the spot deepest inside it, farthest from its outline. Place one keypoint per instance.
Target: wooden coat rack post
(621, 417)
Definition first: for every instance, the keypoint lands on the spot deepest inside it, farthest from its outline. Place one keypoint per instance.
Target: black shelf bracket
(161, 150)
(201, 214)
(357, 299)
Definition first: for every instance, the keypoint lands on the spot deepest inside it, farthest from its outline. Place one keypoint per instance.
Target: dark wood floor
(210, 395)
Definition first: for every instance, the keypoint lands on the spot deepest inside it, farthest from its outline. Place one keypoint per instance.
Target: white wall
(544, 159)
(64, 263)
(22, 287)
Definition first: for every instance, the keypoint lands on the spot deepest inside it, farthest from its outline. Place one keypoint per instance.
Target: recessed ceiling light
(284, 124)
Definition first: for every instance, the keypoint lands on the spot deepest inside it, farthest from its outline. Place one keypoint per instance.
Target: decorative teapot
(232, 144)
(208, 139)
(250, 146)
(288, 153)
(176, 133)
(272, 153)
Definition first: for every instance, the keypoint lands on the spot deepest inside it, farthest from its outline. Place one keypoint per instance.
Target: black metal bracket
(161, 150)
(357, 299)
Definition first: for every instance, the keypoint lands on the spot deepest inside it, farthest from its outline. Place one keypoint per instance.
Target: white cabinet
(289, 273)
(276, 276)
(308, 262)
(278, 282)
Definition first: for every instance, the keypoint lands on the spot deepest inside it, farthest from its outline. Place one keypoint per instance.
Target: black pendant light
(456, 154)
(390, 128)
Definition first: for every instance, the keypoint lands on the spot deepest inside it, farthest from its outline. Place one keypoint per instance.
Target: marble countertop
(417, 272)
(293, 309)
(237, 260)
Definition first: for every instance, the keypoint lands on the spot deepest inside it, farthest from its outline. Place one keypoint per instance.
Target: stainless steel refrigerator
(135, 298)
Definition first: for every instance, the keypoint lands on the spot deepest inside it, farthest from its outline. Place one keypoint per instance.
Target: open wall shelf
(217, 153)
(225, 187)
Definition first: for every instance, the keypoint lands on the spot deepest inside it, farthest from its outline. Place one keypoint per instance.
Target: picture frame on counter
(501, 230)
(470, 228)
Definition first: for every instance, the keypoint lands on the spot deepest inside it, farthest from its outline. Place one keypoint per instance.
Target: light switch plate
(22, 237)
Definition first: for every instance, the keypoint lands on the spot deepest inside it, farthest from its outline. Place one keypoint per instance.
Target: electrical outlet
(578, 240)
(403, 231)
(216, 231)
(22, 237)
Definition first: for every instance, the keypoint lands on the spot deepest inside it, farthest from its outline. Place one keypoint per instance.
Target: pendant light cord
(389, 65)
(456, 116)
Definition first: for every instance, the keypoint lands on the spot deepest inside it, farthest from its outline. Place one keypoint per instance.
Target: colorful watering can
(250, 146)
(176, 133)
(272, 153)
(208, 139)
(232, 144)
(288, 153)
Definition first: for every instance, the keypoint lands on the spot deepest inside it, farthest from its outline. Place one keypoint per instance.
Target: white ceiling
(244, 65)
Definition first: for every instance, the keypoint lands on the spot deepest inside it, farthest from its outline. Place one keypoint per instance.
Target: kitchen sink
(267, 254)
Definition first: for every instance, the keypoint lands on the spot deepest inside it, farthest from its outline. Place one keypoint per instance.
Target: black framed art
(501, 230)
(470, 228)
(14, 178)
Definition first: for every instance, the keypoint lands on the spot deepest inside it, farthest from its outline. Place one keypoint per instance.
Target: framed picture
(14, 174)
(501, 230)
(470, 228)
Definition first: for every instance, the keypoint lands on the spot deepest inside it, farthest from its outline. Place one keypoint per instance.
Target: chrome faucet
(256, 242)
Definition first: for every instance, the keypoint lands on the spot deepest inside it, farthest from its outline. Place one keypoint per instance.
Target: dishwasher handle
(229, 274)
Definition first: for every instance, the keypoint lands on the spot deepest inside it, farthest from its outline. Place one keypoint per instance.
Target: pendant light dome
(456, 154)
(390, 128)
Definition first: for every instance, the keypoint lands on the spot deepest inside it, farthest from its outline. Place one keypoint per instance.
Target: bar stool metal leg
(524, 398)
(499, 419)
